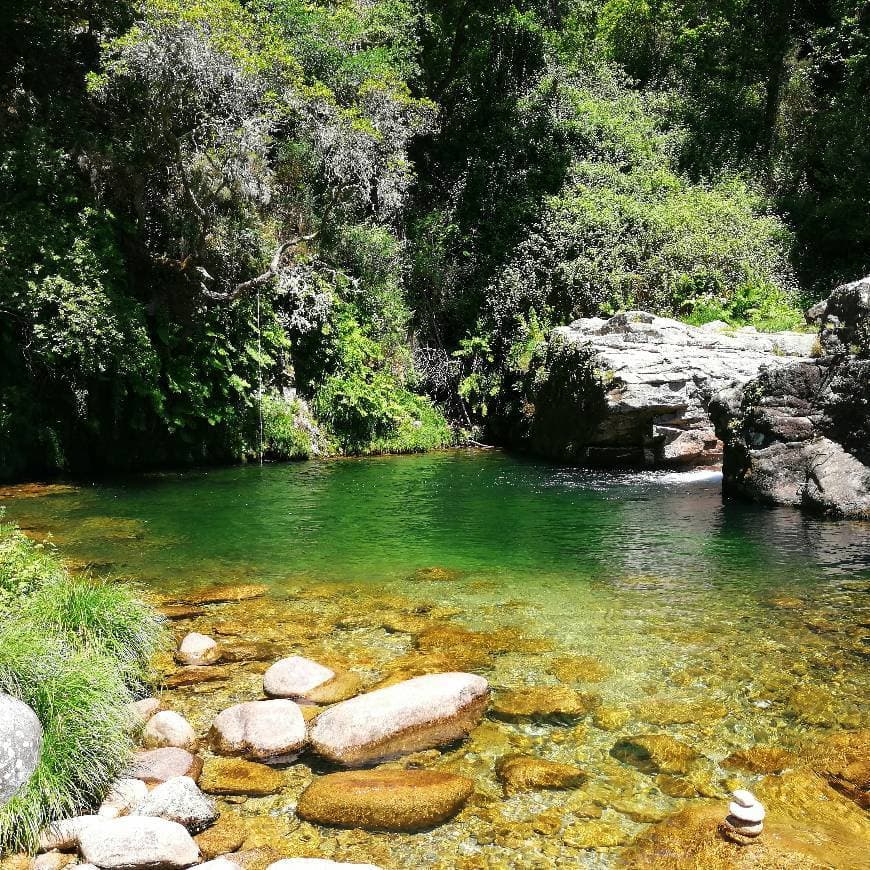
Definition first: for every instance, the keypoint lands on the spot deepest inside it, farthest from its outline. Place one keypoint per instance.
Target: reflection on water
(723, 625)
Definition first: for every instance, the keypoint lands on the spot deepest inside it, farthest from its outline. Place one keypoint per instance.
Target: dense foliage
(77, 651)
(232, 228)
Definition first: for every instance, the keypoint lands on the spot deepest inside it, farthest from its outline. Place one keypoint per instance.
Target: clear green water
(684, 599)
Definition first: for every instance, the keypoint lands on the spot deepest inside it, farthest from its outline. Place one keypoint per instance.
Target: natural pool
(659, 608)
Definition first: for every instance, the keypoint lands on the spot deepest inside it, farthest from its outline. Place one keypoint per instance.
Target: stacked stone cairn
(745, 820)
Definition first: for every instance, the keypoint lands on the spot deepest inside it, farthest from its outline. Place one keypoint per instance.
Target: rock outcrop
(633, 390)
(799, 435)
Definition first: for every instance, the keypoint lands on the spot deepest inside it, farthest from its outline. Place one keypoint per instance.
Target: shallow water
(722, 624)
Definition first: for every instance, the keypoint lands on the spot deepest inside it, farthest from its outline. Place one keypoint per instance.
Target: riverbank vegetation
(77, 651)
(235, 228)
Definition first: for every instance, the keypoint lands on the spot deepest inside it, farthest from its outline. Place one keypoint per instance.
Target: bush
(645, 238)
(284, 435)
(77, 652)
(364, 400)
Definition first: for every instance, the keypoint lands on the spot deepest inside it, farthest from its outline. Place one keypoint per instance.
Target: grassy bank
(77, 651)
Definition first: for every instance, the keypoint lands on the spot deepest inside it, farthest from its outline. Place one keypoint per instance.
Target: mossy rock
(385, 800)
(527, 773)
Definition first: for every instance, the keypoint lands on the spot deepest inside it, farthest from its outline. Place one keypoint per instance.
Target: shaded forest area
(229, 226)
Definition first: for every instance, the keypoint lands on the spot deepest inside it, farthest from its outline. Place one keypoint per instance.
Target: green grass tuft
(77, 651)
(80, 698)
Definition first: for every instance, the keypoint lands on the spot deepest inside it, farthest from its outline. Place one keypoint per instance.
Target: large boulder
(20, 745)
(420, 713)
(384, 800)
(136, 842)
(260, 729)
(633, 389)
(799, 435)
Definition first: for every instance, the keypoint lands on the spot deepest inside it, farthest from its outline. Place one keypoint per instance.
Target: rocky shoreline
(240, 770)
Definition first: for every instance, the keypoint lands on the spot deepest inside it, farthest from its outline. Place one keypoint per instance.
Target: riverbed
(721, 625)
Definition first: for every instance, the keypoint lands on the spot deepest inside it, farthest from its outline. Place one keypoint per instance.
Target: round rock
(419, 713)
(744, 798)
(384, 800)
(20, 745)
(123, 797)
(142, 710)
(753, 814)
(294, 677)
(180, 800)
(168, 728)
(198, 649)
(135, 842)
(260, 729)
(158, 765)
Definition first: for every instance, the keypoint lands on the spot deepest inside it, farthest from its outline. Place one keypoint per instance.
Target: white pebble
(744, 798)
(754, 813)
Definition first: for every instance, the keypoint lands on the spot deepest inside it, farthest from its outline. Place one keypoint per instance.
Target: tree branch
(264, 277)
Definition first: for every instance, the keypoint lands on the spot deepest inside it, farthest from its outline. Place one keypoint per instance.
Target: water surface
(722, 624)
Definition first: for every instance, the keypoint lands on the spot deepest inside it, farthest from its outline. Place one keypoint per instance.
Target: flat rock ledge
(633, 390)
(416, 714)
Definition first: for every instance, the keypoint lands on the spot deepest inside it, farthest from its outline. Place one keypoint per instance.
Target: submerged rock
(761, 759)
(384, 800)
(180, 800)
(316, 864)
(226, 835)
(633, 389)
(222, 594)
(191, 676)
(168, 728)
(198, 649)
(527, 773)
(136, 842)
(259, 729)
(235, 776)
(544, 703)
(20, 745)
(579, 669)
(158, 765)
(655, 753)
(420, 713)
(843, 759)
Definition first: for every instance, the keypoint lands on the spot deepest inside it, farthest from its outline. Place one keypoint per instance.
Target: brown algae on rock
(385, 800)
